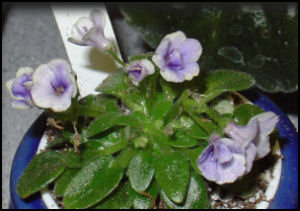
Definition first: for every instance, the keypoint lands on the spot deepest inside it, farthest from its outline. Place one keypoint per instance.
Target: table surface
(30, 37)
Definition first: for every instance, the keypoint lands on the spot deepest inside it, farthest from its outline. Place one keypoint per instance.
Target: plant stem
(199, 122)
(214, 116)
(115, 57)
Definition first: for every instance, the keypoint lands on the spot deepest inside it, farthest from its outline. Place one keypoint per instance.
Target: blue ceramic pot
(285, 197)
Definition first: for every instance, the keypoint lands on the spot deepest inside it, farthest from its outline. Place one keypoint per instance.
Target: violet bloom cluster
(20, 87)
(227, 159)
(138, 70)
(90, 31)
(50, 86)
(177, 57)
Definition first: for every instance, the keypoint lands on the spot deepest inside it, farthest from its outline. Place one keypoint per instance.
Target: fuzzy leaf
(172, 174)
(141, 171)
(182, 140)
(41, 171)
(160, 109)
(63, 180)
(140, 201)
(243, 113)
(227, 80)
(196, 195)
(109, 120)
(92, 184)
(118, 199)
(114, 84)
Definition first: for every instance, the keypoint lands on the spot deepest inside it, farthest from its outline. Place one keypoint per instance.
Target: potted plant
(162, 133)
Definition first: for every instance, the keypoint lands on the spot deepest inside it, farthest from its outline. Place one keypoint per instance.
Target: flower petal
(266, 122)
(190, 50)
(80, 28)
(172, 76)
(263, 146)
(222, 153)
(8, 85)
(250, 156)
(176, 37)
(207, 164)
(24, 70)
(242, 134)
(97, 17)
(161, 52)
(95, 37)
(20, 104)
(190, 70)
(18, 89)
(231, 171)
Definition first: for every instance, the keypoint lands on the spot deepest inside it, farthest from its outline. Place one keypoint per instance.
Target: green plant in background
(258, 39)
(158, 130)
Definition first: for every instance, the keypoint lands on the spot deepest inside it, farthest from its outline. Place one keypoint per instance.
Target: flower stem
(214, 116)
(200, 122)
(115, 57)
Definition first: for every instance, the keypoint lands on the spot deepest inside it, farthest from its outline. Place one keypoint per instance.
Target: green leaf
(176, 109)
(197, 132)
(124, 157)
(112, 143)
(160, 109)
(181, 139)
(141, 171)
(172, 174)
(115, 84)
(89, 151)
(43, 169)
(168, 90)
(56, 142)
(95, 105)
(63, 180)
(71, 159)
(244, 112)
(196, 195)
(239, 37)
(92, 184)
(126, 120)
(140, 201)
(109, 120)
(118, 199)
(185, 124)
(102, 123)
(227, 80)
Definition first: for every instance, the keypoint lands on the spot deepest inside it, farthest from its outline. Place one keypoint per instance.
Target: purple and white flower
(177, 57)
(53, 85)
(138, 70)
(257, 131)
(222, 161)
(227, 159)
(90, 31)
(19, 88)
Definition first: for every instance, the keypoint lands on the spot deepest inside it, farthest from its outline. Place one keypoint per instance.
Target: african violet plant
(153, 132)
